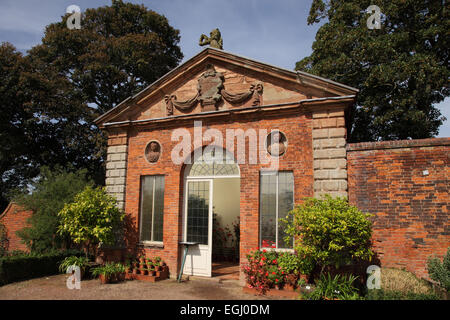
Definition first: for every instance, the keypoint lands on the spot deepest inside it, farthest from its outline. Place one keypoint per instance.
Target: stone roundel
(153, 151)
(276, 143)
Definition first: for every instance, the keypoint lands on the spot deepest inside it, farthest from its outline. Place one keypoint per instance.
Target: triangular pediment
(215, 80)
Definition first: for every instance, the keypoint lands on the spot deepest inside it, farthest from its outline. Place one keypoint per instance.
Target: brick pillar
(330, 155)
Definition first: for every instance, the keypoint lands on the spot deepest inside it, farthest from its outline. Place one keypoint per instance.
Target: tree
(13, 123)
(51, 96)
(49, 194)
(92, 218)
(401, 69)
(118, 51)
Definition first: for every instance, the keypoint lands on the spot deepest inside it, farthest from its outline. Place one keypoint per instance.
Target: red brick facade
(405, 185)
(14, 218)
(297, 127)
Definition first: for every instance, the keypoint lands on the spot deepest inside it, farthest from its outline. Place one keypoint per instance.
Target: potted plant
(151, 270)
(110, 272)
(157, 263)
(136, 266)
(119, 273)
(128, 267)
(81, 262)
(149, 263)
(104, 273)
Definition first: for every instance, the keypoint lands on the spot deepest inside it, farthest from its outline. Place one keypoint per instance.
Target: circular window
(153, 151)
(276, 143)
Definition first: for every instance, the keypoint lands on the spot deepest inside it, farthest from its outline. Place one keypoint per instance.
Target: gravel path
(54, 288)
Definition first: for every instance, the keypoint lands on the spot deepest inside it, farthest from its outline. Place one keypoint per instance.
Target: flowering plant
(262, 270)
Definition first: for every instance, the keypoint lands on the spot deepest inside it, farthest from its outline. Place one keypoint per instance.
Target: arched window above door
(213, 162)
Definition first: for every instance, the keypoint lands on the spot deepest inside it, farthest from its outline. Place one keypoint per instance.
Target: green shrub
(108, 270)
(382, 294)
(92, 218)
(337, 287)
(291, 263)
(81, 262)
(329, 231)
(440, 272)
(23, 267)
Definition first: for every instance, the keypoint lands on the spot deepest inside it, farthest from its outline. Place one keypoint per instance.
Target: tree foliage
(329, 232)
(49, 193)
(51, 96)
(14, 123)
(118, 51)
(92, 218)
(401, 70)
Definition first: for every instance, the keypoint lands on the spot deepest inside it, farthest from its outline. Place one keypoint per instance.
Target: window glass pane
(215, 162)
(201, 169)
(146, 207)
(158, 209)
(198, 212)
(285, 204)
(268, 210)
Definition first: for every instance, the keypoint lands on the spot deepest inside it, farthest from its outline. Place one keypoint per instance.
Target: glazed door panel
(198, 226)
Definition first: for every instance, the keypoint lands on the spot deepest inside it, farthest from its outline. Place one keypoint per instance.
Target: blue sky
(271, 31)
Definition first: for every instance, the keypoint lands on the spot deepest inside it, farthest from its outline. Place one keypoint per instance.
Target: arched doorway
(211, 209)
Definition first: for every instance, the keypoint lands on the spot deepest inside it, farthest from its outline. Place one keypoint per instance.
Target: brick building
(278, 136)
(14, 218)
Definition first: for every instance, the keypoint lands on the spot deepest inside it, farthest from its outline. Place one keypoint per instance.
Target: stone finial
(214, 40)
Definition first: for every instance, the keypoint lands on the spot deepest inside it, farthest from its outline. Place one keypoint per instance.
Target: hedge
(23, 267)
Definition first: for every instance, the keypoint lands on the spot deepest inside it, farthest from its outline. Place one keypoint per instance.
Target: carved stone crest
(210, 91)
(276, 143)
(153, 151)
(209, 86)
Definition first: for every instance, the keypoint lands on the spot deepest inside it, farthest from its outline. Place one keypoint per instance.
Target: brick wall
(296, 126)
(14, 218)
(405, 185)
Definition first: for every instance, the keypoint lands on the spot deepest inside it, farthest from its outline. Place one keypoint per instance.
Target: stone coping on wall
(398, 144)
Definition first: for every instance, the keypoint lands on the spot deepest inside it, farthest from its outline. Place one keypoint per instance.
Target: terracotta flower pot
(104, 279)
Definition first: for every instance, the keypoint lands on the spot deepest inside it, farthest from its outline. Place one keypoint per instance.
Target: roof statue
(214, 40)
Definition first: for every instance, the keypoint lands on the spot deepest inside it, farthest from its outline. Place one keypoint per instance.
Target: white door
(198, 226)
